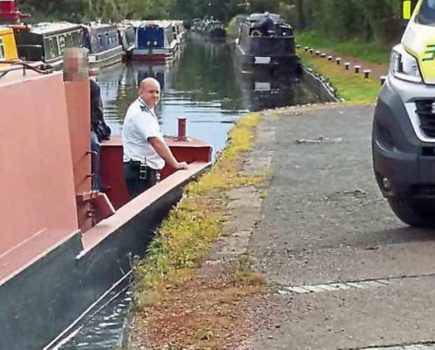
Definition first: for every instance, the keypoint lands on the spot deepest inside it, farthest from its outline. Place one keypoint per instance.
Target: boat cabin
(47, 41)
(102, 41)
(127, 37)
(265, 40)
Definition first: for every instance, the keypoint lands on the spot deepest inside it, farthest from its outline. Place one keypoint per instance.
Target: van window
(426, 15)
(2, 49)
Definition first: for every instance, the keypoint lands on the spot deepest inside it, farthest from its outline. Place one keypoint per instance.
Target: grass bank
(350, 87)
(362, 50)
(184, 238)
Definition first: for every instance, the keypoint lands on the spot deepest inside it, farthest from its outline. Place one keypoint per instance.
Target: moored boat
(215, 29)
(127, 36)
(103, 43)
(46, 41)
(64, 245)
(155, 41)
(265, 41)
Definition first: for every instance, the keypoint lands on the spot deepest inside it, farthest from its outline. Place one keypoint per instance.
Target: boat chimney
(8, 12)
(182, 129)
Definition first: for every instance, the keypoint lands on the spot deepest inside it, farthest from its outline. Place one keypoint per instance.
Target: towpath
(346, 274)
(342, 272)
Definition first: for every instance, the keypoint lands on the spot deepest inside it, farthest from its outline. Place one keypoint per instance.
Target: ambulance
(403, 134)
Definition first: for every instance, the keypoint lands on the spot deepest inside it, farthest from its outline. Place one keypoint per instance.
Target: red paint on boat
(8, 11)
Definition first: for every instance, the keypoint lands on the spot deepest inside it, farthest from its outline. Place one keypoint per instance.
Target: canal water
(205, 85)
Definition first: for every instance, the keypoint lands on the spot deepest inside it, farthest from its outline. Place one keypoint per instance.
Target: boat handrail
(38, 67)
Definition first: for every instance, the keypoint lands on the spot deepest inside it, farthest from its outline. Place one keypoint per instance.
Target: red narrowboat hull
(57, 253)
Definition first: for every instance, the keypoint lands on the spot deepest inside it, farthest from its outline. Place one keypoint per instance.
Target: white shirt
(140, 124)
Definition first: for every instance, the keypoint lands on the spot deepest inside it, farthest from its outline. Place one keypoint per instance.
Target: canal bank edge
(154, 289)
(227, 263)
(347, 84)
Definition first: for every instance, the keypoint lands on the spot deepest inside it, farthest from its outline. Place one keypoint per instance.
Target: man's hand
(181, 165)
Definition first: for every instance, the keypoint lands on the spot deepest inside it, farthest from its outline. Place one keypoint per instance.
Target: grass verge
(186, 235)
(350, 87)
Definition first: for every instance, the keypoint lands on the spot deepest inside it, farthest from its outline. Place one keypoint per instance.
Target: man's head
(149, 91)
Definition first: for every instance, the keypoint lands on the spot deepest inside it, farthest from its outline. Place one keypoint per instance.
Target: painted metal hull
(57, 253)
(105, 59)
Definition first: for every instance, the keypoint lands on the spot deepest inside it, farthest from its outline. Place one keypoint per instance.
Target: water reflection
(196, 86)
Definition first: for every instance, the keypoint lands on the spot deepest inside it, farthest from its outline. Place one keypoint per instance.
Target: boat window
(53, 47)
(2, 49)
(69, 40)
(100, 40)
(426, 14)
(76, 39)
(62, 43)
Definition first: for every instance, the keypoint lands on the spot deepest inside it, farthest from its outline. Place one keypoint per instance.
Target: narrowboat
(46, 41)
(215, 29)
(127, 35)
(63, 245)
(155, 41)
(8, 47)
(264, 41)
(102, 41)
(180, 31)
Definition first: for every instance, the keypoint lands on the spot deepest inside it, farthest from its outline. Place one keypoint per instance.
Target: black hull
(42, 301)
(271, 64)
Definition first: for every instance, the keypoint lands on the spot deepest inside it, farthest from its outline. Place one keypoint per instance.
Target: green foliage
(368, 20)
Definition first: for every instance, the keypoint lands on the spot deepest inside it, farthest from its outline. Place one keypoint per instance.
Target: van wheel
(414, 213)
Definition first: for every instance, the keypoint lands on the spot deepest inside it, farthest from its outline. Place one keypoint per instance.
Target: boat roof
(99, 26)
(257, 17)
(51, 27)
(5, 30)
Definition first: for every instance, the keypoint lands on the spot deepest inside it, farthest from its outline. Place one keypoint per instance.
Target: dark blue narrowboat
(155, 41)
(102, 41)
(266, 41)
(46, 41)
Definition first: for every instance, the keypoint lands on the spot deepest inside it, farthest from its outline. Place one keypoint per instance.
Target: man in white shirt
(145, 150)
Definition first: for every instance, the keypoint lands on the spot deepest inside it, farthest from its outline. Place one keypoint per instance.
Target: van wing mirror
(408, 7)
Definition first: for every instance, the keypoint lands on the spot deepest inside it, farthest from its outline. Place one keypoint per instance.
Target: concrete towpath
(346, 274)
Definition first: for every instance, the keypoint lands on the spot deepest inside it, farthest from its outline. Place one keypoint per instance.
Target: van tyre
(412, 212)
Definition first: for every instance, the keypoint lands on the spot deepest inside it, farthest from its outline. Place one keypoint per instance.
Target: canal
(205, 85)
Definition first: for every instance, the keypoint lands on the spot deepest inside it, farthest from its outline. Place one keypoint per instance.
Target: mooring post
(338, 60)
(367, 73)
(347, 65)
(357, 68)
(181, 129)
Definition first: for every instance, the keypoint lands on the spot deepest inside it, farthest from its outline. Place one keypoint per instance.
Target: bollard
(298, 46)
(306, 48)
(338, 60)
(329, 58)
(317, 53)
(181, 129)
(347, 65)
(323, 55)
(357, 68)
(382, 78)
(367, 73)
(311, 51)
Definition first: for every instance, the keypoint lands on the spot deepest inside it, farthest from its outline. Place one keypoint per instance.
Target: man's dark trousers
(136, 185)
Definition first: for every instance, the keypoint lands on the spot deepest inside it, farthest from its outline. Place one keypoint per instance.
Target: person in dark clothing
(267, 25)
(99, 131)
